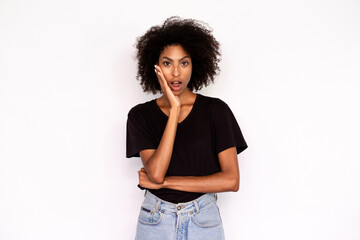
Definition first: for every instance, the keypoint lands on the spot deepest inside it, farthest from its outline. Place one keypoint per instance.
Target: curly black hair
(194, 36)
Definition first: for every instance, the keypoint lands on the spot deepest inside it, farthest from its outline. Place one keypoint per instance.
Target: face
(176, 65)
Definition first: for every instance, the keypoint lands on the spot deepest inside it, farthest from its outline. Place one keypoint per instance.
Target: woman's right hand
(166, 90)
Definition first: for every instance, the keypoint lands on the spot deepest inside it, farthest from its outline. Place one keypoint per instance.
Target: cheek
(166, 72)
(188, 74)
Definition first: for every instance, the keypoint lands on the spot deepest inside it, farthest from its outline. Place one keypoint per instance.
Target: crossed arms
(156, 163)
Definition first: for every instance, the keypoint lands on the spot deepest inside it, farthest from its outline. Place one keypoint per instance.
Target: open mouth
(176, 85)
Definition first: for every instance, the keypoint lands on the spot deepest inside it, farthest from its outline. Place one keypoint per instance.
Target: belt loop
(158, 205)
(196, 206)
(215, 197)
(145, 192)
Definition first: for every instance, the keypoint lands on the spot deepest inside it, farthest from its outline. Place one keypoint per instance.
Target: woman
(188, 142)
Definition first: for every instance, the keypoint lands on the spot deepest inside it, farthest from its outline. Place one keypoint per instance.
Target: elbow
(155, 176)
(234, 185)
(158, 179)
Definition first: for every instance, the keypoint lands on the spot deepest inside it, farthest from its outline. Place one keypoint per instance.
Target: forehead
(174, 51)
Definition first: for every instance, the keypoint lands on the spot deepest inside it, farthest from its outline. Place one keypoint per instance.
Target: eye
(166, 63)
(185, 63)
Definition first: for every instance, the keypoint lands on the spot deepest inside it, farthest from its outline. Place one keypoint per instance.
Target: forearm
(158, 164)
(217, 182)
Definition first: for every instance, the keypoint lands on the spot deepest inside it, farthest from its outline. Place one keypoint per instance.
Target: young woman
(188, 142)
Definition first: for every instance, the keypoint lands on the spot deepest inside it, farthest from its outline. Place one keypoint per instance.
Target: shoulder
(213, 103)
(216, 108)
(142, 108)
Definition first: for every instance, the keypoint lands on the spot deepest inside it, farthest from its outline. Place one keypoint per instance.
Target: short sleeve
(138, 135)
(227, 131)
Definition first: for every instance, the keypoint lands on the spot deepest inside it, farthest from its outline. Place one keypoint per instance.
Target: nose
(176, 71)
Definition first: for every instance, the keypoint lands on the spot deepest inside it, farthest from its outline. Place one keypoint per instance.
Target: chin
(177, 93)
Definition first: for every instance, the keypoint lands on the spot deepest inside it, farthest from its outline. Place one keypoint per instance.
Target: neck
(186, 97)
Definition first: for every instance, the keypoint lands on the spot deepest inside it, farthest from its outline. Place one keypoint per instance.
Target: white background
(290, 73)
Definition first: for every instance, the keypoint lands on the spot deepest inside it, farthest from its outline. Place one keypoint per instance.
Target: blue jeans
(194, 220)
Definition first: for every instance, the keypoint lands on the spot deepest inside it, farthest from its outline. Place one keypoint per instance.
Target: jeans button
(178, 208)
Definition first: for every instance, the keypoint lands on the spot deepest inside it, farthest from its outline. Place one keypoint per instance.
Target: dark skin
(175, 66)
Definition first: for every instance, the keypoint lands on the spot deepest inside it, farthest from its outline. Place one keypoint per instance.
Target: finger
(160, 74)
(161, 82)
(157, 70)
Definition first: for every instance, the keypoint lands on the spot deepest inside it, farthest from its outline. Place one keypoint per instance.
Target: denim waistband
(161, 205)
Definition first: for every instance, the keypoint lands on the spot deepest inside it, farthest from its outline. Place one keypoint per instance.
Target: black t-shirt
(209, 129)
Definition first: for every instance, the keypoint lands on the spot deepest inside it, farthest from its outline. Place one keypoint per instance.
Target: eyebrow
(173, 60)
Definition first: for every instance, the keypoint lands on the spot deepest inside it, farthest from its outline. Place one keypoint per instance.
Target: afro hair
(194, 36)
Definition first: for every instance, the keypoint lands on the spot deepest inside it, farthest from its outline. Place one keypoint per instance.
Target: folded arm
(226, 180)
(156, 161)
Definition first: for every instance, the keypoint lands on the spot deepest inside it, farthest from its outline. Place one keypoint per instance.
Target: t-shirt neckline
(188, 116)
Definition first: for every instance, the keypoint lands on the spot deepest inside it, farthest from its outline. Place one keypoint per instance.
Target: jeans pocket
(150, 217)
(208, 216)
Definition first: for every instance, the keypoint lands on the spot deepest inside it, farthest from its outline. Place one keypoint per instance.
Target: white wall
(290, 73)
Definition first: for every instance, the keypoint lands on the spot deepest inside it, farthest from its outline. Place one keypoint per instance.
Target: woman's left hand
(145, 182)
